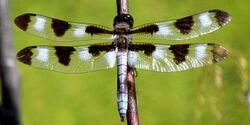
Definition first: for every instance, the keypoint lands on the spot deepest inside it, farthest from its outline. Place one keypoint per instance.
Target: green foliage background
(212, 95)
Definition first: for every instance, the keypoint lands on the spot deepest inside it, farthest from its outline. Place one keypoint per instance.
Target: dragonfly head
(124, 20)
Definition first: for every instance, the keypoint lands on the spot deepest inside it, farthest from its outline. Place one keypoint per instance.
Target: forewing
(171, 58)
(59, 30)
(185, 28)
(77, 59)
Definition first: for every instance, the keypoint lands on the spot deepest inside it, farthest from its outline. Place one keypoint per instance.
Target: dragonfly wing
(59, 30)
(185, 28)
(69, 59)
(171, 58)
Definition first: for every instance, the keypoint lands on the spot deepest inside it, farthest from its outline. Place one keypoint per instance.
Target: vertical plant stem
(132, 113)
(122, 7)
(9, 109)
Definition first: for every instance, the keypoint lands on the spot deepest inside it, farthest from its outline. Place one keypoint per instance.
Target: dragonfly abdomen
(122, 90)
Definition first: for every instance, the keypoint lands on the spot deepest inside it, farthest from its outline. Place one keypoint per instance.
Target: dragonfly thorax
(120, 30)
(122, 41)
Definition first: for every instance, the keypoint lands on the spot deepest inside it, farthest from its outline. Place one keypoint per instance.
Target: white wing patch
(79, 32)
(163, 30)
(132, 58)
(84, 55)
(40, 23)
(160, 52)
(200, 51)
(205, 19)
(110, 58)
(42, 54)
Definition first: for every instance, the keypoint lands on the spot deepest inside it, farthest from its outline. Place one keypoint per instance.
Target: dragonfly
(119, 47)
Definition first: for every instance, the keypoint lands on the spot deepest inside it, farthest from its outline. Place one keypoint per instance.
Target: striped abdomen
(122, 90)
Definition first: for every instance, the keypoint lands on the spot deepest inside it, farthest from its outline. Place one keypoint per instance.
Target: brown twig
(132, 113)
(122, 7)
(9, 109)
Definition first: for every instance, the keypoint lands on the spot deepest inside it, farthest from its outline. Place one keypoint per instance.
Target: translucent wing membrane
(67, 59)
(59, 30)
(153, 57)
(146, 56)
(171, 58)
(185, 28)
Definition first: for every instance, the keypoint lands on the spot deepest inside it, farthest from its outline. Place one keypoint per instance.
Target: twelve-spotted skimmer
(122, 51)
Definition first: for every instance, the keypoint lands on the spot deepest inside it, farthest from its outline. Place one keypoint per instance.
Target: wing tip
(23, 20)
(219, 53)
(25, 55)
(221, 16)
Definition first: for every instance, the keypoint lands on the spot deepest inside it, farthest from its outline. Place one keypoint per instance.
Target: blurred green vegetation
(212, 95)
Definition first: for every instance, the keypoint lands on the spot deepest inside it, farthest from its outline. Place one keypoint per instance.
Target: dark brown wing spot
(22, 21)
(185, 24)
(59, 27)
(180, 52)
(63, 54)
(148, 49)
(219, 53)
(92, 29)
(25, 55)
(221, 17)
(95, 50)
(147, 29)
